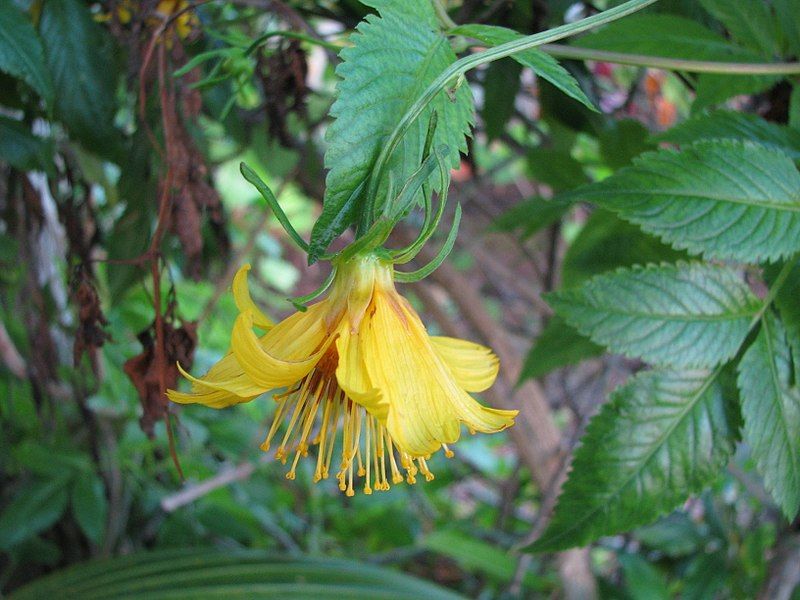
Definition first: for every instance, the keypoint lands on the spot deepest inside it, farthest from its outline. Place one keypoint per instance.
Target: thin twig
(11, 356)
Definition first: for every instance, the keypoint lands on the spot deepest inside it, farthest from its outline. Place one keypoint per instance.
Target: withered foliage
(90, 334)
(148, 375)
(192, 195)
(283, 78)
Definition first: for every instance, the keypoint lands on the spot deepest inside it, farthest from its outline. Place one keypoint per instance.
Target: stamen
(281, 454)
(423, 467)
(396, 476)
(321, 441)
(367, 448)
(276, 421)
(362, 458)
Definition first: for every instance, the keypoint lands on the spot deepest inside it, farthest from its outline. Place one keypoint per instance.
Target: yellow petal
(426, 404)
(210, 398)
(473, 366)
(285, 354)
(351, 373)
(244, 302)
(238, 384)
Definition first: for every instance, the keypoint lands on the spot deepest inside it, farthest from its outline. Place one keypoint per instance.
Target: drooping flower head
(359, 361)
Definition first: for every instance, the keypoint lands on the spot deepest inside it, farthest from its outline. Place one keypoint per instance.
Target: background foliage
(656, 211)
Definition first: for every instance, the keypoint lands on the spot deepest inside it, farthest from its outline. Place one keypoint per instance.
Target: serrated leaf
(90, 506)
(21, 53)
(392, 60)
(677, 37)
(558, 345)
(661, 437)
(606, 242)
(727, 124)
(750, 22)
(23, 150)
(79, 57)
(770, 401)
(544, 65)
(724, 199)
(685, 315)
(789, 308)
(35, 508)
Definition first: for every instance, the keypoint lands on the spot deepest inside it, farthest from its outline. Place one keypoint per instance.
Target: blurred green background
(87, 473)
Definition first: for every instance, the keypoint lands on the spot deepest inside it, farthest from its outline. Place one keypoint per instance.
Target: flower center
(366, 448)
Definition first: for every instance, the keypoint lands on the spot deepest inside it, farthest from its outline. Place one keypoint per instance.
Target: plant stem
(774, 289)
(461, 66)
(441, 14)
(672, 64)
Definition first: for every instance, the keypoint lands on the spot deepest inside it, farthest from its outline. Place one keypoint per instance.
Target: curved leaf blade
(771, 412)
(727, 124)
(662, 436)
(190, 573)
(85, 82)
(393, 58)
(544, 65)
(21, 53)
(723, 199)
(685, 315)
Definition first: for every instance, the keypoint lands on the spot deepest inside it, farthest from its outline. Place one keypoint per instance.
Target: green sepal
(300, 301)
(422, 273)
(272, 201)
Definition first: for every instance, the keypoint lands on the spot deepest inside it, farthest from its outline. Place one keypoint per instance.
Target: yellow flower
(363, 359)
(185, 22)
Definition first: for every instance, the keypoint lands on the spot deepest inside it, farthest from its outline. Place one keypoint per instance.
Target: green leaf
(621, 141)
(23, 150)
(500, 87)
(684, 315)
(794, 108)
(90, 506)
(557, 168)
(665, 35)
(642, 579)
(79, 56)
(676, 37)
(750, 22)
(789, 309)
(474, 554)
(662, 436)
(544, 65)
(558, 345)
(724, 199)
(674, 535)
(531, 216)
(393, 59)
(727, 124)
(706, 574)
(35, 508)
(788, 14)
(606, 242)
(771, 410)
(21, 53)
(190, 573)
